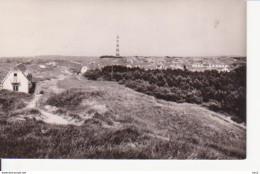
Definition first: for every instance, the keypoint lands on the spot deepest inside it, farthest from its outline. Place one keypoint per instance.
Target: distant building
(197, 65)
(208, 65)
(90, 66)
(159, 67)
(175, 66)
(18, 79)
(83, 70)
(218, 65)
(225, 69)
(51, 63)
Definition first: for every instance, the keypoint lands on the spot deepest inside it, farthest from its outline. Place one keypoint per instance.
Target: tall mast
(117, 46)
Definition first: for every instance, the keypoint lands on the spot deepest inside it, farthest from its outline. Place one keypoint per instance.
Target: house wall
(24, 83)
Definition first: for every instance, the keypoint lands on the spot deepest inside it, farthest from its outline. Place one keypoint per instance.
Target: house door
(15, 87)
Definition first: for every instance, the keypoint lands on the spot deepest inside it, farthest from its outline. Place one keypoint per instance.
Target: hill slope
(203, 130)
(113, 121)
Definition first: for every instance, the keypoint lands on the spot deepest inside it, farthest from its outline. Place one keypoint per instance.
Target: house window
(15, 87)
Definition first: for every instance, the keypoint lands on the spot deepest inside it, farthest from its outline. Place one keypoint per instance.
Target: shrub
(11, 101)
(69, 99)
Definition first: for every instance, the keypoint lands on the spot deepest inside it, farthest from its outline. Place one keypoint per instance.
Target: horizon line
(53, 55)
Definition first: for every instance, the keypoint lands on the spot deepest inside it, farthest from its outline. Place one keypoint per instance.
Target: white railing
(15, 80)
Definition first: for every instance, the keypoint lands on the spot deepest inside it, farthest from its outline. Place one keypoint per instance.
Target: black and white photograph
(123, 79)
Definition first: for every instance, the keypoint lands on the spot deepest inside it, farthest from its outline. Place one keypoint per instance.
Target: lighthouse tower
(117, 46)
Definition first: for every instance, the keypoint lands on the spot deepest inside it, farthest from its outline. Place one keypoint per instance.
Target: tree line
(219, 91)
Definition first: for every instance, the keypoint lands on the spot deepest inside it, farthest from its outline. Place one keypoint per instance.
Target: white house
(225, 69)
(84, 69)
(90, 66)
(18, 79)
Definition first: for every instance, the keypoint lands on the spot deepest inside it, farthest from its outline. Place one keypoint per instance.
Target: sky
(145, 27)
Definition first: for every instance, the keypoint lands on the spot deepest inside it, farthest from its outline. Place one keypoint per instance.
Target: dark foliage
(10, 101)
(109, 56)
(219, 91)
(32, 89)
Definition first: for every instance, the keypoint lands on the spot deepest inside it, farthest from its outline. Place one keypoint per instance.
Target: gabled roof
(22, 68)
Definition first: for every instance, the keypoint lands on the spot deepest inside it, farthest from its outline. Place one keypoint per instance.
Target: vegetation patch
(109, 56)
(12, 101)
(25, 112)
(219, 91)
(35, 139)
(68, 99)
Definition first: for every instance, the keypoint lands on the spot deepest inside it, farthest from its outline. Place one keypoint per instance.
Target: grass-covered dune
(123, 124)
(34, 139)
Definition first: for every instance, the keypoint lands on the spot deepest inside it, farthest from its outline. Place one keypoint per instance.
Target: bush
(11, 101)
(69, 99)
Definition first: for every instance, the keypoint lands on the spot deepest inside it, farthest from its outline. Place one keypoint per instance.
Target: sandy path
(34, 102)
(53, 118)
(46, 115)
